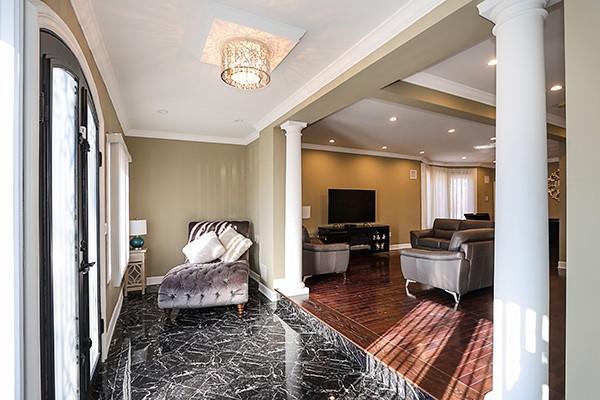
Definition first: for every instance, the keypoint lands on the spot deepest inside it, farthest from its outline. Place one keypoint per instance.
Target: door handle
(85, 267)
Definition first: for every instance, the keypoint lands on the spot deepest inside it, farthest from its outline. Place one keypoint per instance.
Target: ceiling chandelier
(245, 64)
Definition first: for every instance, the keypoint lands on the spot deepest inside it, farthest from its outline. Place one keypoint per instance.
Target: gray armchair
(467, 265)
(319, 258)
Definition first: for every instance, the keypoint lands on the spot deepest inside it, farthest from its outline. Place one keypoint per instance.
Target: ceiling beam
(443, 103)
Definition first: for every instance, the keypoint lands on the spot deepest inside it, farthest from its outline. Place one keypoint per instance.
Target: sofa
(439, 237)
(458, 265)
(211, 284)
(319, 258)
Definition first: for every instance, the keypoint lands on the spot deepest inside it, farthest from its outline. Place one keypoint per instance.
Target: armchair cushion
(325, 247)
(432, 254)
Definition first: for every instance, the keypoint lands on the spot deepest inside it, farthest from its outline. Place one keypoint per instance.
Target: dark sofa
(439, 237)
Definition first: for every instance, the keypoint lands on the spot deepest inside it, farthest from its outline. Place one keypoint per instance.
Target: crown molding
(440, 84)
(84, 10)
(192, 137)
(350, 150)
(383, 33)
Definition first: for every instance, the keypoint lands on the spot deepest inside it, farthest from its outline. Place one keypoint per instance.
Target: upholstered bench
(207, 285)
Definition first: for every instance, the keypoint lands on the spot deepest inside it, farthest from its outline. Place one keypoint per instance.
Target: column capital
(500, 11)
(293, 126)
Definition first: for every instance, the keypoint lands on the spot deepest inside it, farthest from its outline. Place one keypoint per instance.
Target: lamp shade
(305, 212)
(137, 227)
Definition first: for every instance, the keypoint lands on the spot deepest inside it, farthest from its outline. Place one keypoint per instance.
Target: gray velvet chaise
(458, 265)
(211, 284)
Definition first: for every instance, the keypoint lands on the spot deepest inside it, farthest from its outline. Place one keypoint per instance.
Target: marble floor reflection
(214, 354)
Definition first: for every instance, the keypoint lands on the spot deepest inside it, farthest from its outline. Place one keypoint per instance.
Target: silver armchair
(467, 265)
(319, 258)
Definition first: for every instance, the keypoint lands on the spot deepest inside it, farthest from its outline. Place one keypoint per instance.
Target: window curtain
(446, 193)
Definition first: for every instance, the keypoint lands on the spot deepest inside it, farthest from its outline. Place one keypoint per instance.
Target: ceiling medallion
(245, 64)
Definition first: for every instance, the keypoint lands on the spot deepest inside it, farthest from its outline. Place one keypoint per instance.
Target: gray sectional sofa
(207, 285)
(455, 255)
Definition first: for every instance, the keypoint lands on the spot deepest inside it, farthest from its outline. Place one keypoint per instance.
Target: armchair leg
(408, 293)
(456, 298)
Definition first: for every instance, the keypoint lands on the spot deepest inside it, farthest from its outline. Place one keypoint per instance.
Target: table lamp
(137, 228)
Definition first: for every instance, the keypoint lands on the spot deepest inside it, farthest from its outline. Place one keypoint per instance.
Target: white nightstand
(136, 271)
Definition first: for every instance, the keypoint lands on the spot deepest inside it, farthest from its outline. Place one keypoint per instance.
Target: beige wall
(175, 182)
(485, 191)
(582, 27)
(111, 122)
(253, 199)
(398, 197)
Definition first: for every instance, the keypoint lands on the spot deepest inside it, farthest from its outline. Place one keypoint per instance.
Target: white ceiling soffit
(467, 74)
(247, 113)
(226, 23)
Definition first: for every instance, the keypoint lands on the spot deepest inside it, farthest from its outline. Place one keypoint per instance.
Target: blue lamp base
(136, 242)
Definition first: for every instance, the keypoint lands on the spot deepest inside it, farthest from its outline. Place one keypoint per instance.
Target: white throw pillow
(204, 249)
(236, 244)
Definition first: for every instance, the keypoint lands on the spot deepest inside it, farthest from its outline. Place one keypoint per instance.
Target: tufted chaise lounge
(207, 285)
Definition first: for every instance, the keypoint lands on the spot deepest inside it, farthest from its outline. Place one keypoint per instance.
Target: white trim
(192, 137)
(403, 18)
(107, 338)
(154, 280)
(562, 265)
(265, 290)
(438, 83)
(84, 10)
(118, 138)
(458, 164)
(400, 246)
(350, 150)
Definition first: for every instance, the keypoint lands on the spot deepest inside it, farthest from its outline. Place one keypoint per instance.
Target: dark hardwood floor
(446, 352)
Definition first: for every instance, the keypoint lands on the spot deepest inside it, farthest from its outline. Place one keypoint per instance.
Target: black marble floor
(269, 353)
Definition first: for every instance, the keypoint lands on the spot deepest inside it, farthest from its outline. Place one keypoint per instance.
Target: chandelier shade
(245, 64)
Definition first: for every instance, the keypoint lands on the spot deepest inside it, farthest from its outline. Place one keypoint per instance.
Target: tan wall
(253, 199)
(553, 205)
(485, 191)
(398, 197)
(175, 182)
(111, 122)
(582, 26)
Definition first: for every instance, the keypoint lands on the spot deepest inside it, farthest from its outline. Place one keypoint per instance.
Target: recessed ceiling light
(162, 111)
(463, 158)
(493, 139)
(451, 130)
(556, 88)
(331, 141)
(485, 146)
(422, 152)
(494, 161)
(393, 119)
(383, 147)
(492, 62)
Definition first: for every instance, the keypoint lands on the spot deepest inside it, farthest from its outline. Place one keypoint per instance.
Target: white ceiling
(366, 125)
(469, 68)
(148, 45)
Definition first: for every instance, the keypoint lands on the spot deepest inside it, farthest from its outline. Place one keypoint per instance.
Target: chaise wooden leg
(240, 309)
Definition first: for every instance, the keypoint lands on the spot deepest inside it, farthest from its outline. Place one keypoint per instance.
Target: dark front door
(68, 225)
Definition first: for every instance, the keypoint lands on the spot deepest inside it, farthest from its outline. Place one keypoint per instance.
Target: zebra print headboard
(197, 228)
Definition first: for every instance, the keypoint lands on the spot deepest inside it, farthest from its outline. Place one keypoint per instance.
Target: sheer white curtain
(446, 193)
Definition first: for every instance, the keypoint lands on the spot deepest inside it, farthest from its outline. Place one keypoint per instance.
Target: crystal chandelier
(245, 64)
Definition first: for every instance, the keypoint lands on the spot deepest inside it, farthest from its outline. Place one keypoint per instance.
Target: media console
(374, 238)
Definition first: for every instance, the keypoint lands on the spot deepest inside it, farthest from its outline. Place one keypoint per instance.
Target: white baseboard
(268, 292)
(562, 265)
(154, 280)
(111, 326)
(400, 246)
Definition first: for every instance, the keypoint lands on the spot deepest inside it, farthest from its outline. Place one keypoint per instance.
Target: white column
(520, 369)
(293, 285)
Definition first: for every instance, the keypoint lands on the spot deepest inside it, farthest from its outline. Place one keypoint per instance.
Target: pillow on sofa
(235, 243)
(204, 249)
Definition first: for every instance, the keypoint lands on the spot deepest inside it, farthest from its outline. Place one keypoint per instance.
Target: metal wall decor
(554, 185)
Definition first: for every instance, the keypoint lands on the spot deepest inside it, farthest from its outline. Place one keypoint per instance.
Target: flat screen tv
(351, 206)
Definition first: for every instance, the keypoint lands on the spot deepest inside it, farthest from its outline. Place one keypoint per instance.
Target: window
(447, 193)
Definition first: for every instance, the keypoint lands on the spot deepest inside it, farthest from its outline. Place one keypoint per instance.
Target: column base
(489, 396)
(290, 289)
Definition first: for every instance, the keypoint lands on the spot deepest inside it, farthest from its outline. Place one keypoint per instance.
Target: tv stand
(373, 238)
